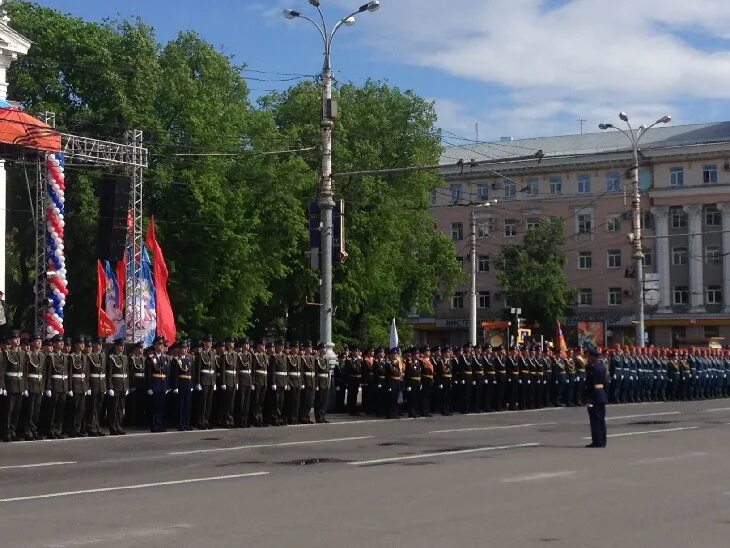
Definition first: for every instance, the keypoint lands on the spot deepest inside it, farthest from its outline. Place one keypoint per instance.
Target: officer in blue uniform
(158, 371)
(596, 396)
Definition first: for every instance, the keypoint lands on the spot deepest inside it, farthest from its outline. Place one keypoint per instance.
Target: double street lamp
(635, 237)
(326, 200)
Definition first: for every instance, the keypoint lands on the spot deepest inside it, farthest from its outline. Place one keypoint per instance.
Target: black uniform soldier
(353, 379)
(96, 370)
(57, 386)
(14, 383)
(322, 385)
(444, 376)
(118, 384)
(227, 380)
(205, 382)
(368, 381)
(580, 376)
(427, 378)
(306, 401)
(597, 396)
(258, 387)
(138, 385)
(412, 382)
(294, 387)
(278, 383)
(157, 366)
(392, 384)
(380, 388)
(182, 382)
(338, 377)
(489, 386)
(35, 385)
(514, 391)
(504, 384)
(245, 363)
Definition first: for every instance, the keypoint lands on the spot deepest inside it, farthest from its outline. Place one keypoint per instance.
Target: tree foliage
(532, 273)
(233, 227)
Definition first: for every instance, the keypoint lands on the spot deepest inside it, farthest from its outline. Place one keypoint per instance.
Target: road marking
(263, 445)
(661, 431)
(132, 487)
(644, 415)
(539, 476)
(129, 435)
(491, 413)
(479, 428)
(717, 409)
(37, 465)
(442, 454)
(658, 460)
(121, 536)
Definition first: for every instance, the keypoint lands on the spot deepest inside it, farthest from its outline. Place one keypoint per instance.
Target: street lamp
(326, 201)
(635, 236)
(473, 288)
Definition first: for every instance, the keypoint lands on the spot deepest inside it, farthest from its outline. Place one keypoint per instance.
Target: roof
(590, 143)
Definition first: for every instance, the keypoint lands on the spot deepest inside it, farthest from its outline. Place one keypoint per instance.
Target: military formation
(59, 388)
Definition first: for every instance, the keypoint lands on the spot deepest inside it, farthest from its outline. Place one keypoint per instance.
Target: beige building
(585, 180)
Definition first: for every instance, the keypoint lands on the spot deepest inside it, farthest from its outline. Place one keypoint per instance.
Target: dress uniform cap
(279, 341)
(14, 334)
(268, 344)
(230, 340)
(308, 344)
(77, 339)
(99, 340)
(435, 349)
(37, 337)
(24, 340)
(321, 345)
(594, 351)
(159, 339)
(219, 344)
(208, 338)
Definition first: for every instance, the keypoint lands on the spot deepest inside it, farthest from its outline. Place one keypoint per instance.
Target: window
(714, 294)
(679, 218)
(615, 296)
(679, 256)
(483, 263)
(556, 185)
(648, 259)
(533, 187)
(676, 176)
(613, 182)
(485, 299)
(680, 294)
(614, 223)
(457, 300)
(455, 192)
(709, 174)
(460, 260)
(457, 231)
(712, 216)
(585, 260)
(510, 190)
(614, 258)
(483, 228)
(647, 220)
(585, 297)
(678, 332)
(482, 193)
(510, 228)
(711, 331)
(585, 223)
(584, 184)
(532, 223)
(712, 254)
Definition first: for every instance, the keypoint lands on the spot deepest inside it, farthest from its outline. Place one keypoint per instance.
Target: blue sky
(518, 68)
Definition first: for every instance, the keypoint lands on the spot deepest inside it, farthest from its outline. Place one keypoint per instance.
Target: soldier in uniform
(258, 386)
(245, 376)
(489, 391)
(503, 383)
(182, 381)
(158, 378)
(445, 379)
(294, 386)
(35, 385)
(368, 381)
(306, 400)
(392, 384)
(353, 378)
(427, 378)
(570, 374)
(118, 384)
(137, 385)
(412, 381)
(79, 373)
(205, 382)
(596, 396)
(381, 390)
(278, 383)
(463, 376)
(96, 368)
(338, 377)
(477, 380)
(14, 380)
(322, 388)
(57, 386)
(580, 375)
(226, 362)
(674, 372)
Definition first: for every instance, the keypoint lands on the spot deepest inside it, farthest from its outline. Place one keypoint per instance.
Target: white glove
(473, 383)
(70, 394)
(556, 382)
(48, 394)
(88, 392)
(25, 393)
(390, 389)
(191, 388)
(520, 381)
(316, 389)
(198, 388)
(110, 393)
(127, 392)
(149, 392)
(463, 382)
(215, 388)
(528, 382)
(408, 389)
(441, 386)
(174, 391)
(379, 386)
(273, 387)
(286, 388)
(253, 388)
(236, 387)
(223, 387)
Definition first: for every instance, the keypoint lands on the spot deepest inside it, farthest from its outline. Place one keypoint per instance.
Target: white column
(725, 209)
(661, 256)
(696, 262)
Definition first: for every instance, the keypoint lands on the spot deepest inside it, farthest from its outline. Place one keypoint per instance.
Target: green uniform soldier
(294, 386)
(278, 383)
(79, 373)
(322, 386)
(57, 386)
(96, 367)
(259, 384)
(306, 400)
(14, 378)
(245, 363)
(205, 382)
(227, 381)
(36, 386)
(117, 387)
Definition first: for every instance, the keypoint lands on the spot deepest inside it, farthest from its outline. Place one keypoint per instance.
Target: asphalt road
(509, 479)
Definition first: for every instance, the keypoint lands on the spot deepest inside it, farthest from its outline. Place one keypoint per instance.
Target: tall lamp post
(473, 288)
(326, 201)
(635, 237)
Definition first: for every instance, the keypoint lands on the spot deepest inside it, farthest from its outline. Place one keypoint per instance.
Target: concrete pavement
(503, 479)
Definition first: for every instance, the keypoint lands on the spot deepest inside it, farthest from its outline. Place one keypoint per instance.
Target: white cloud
(587, 57)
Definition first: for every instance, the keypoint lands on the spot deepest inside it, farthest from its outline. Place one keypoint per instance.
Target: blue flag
(148, 323)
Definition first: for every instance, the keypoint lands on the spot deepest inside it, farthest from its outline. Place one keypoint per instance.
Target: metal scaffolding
(133, 157)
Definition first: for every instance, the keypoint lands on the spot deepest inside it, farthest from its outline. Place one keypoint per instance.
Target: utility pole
(473, 269)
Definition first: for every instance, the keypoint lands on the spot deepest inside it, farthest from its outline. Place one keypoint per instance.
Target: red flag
(122, 281)
(562, 347)
(165, 318)
(105, 325)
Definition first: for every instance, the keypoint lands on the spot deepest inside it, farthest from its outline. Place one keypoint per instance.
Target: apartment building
(585, 180)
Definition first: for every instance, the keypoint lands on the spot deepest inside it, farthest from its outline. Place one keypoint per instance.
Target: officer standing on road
(278, 384)
(596, 396)
(118, 387)
(14, 383)
(427, 379)
(353, 378)
(158, 371)
(96, 366)
(227, 380)
(204, 376)
(35, 359)
(245, 363)
(258, 386)
(57, 386)
(79, 373)
(306, 400)
(138, 385)
(182, 379)
(294, 386)
(322, 385)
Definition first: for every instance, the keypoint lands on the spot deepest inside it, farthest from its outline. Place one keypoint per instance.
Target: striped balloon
(55, 226)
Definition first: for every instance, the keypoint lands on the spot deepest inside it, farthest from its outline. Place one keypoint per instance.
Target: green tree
(532, 274)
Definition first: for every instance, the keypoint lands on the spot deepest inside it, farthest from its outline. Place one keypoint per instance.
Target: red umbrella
(20, 128)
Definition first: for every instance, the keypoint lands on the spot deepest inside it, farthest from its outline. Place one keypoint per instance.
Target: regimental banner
(591, 333)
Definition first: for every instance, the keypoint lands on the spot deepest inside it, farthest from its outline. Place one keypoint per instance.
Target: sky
(494, 68)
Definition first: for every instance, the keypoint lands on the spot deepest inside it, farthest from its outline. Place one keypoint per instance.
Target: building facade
(585, 180)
